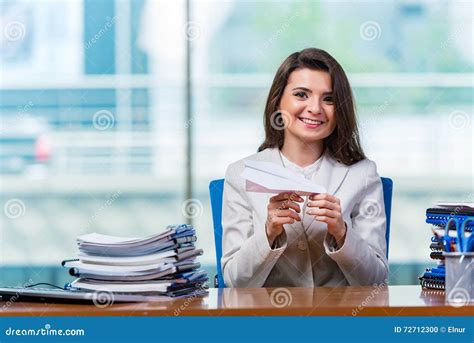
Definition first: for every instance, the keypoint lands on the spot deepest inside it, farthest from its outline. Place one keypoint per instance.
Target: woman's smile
(310, 123)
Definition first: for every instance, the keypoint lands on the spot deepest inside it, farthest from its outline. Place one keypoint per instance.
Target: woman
(332, 239)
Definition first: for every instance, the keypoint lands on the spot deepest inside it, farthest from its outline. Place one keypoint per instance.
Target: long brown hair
(343, 144)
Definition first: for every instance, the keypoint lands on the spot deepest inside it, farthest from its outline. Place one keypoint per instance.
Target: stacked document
(160, 264)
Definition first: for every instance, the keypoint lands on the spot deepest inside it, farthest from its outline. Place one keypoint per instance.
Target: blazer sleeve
(247, 258)
(362, 257)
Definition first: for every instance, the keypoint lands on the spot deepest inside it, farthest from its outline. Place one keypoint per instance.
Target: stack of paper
(268, 177)
(161, 264)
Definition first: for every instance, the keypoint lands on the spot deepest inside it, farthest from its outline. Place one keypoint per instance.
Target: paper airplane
(268, 177)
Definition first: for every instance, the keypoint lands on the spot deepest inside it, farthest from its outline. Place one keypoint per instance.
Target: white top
(307, 171)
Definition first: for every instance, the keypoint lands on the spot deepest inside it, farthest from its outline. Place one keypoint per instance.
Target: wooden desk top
(321, 301)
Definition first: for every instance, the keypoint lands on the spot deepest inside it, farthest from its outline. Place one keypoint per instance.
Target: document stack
(161, 264)
(448, 230)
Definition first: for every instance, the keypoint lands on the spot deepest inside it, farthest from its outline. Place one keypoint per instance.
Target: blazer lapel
(274, 156)
(331, 174)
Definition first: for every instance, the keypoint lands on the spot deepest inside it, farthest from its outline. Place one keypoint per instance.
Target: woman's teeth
(310, 121)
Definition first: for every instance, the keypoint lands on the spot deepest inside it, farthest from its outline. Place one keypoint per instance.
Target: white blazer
(305, 255)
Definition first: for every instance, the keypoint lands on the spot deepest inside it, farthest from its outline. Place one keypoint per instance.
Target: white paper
(93, 268)
(98, 239)
(268, 177)
(455, 204)
(159, 257)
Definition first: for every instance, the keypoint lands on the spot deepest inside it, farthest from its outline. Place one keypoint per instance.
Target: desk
(321, 301)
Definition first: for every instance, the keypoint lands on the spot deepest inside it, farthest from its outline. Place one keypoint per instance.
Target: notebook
(47, 295)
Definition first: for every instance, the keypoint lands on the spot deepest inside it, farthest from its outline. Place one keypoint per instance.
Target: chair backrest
(216, 188)
(387, 185)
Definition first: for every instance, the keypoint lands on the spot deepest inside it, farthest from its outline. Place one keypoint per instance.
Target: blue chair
(216, 188)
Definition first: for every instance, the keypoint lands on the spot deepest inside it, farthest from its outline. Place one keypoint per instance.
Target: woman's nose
(314, 106)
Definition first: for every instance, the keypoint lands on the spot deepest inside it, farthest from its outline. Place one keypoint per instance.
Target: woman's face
(307, 106)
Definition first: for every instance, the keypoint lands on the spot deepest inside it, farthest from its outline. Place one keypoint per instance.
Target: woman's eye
(328, 99)
(301, 95)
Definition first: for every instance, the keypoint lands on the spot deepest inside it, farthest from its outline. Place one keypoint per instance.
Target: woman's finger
(286, 196)
(324, 212)
(283, 220)
(285, 213)
(286, 204)
(324, 204)
(327, 220)
(325, 196)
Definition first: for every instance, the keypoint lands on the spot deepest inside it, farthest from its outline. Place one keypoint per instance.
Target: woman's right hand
(282, 209)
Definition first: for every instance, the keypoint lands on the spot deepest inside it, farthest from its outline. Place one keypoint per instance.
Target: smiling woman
(323, 240)
(313, 80)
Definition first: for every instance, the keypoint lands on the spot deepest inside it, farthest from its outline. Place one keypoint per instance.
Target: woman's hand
(327, 209)
(281, 210)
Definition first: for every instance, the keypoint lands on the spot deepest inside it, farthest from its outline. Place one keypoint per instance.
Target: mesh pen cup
(459, 278)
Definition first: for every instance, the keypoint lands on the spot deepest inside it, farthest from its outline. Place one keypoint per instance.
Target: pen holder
(459, 278)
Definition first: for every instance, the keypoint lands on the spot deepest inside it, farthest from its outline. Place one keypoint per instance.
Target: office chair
(216, 188)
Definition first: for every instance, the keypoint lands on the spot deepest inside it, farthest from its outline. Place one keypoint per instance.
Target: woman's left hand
(327, 209)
